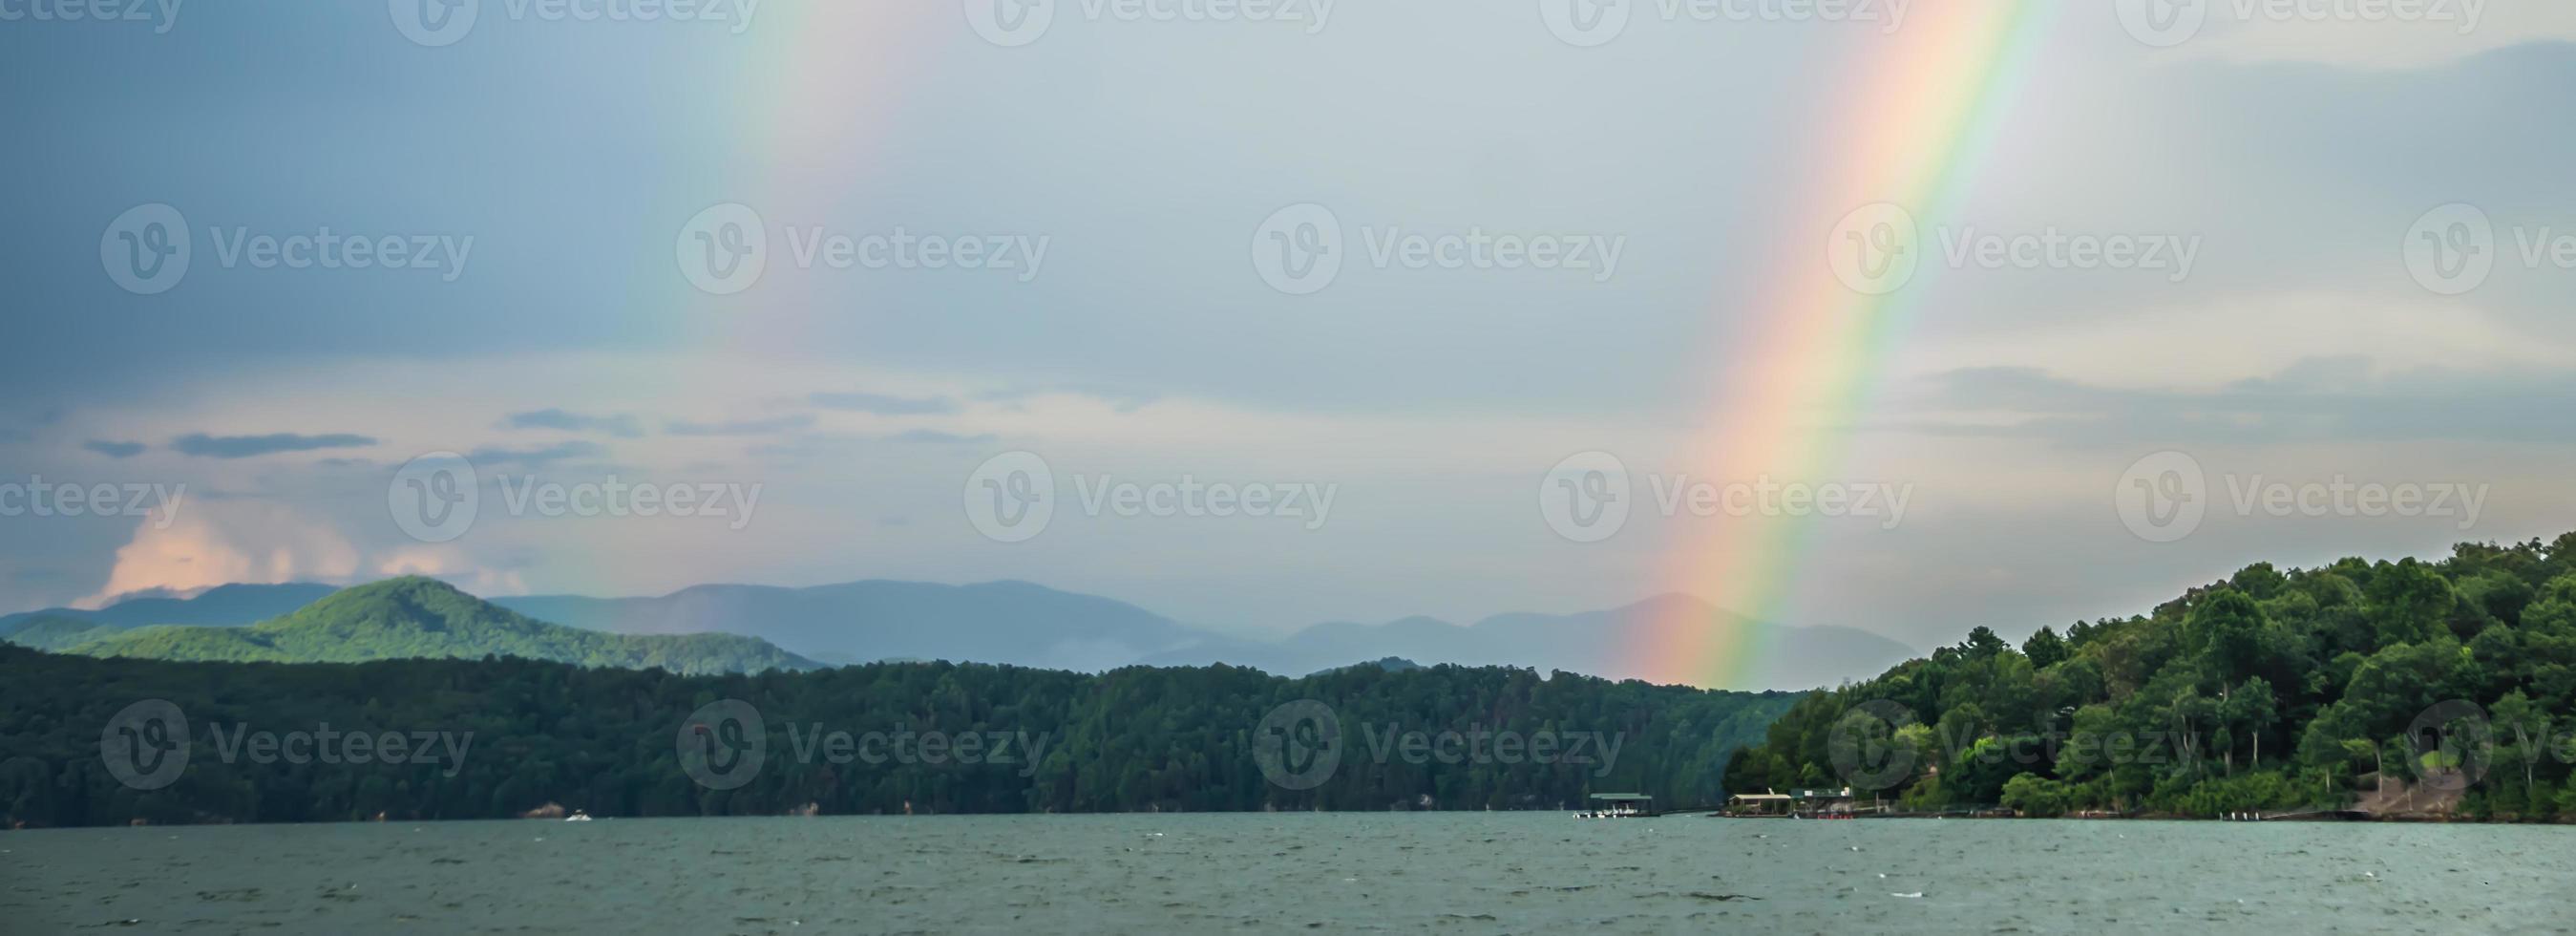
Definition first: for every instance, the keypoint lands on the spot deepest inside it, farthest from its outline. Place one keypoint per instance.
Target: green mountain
(2438, 688)
(56, 632)
(410, 618)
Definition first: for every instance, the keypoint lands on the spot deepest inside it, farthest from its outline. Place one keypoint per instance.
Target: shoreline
(2333, 817)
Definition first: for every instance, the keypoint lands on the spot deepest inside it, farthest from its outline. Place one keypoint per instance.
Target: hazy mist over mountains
(1023, 624)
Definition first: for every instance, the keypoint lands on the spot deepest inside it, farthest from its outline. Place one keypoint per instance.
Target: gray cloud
(936, 437)
(207, 446)
(882, 405)
(621, 426)
(2329, 398)
(1125, 400)
(535, 457)
(740, 427)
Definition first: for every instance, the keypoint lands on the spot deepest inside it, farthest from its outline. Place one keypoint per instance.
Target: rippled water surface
(1453, 872)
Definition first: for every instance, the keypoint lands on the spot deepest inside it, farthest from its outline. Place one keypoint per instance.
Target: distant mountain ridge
(994, 622)
(415, 618)
(221, 606)
(1022, 624)
(1602, 643)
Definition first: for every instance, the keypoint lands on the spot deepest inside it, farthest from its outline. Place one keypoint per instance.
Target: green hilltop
(414, 618)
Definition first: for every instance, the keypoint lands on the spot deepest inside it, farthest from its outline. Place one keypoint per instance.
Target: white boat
(577, 816)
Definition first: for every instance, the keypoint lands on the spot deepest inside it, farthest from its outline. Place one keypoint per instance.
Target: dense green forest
(2271, 690)
(407, 618)
(610, 740)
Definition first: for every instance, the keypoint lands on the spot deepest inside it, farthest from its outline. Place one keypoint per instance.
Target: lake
(1449, 872)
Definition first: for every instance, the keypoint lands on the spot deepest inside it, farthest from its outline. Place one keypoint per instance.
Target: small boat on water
(578, 816)
(1620, 806)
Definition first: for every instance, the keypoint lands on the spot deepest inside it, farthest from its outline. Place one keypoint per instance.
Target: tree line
(2452, 680)
(427, 739)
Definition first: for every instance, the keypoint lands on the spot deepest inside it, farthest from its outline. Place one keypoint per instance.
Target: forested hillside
(408, 618)
(610, 740)
(2270, 690)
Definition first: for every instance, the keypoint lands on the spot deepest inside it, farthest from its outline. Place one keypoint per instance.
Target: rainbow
(1928, 108)
(817, 101)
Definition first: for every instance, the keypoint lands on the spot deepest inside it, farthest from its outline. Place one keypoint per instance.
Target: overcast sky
(1117, 296)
